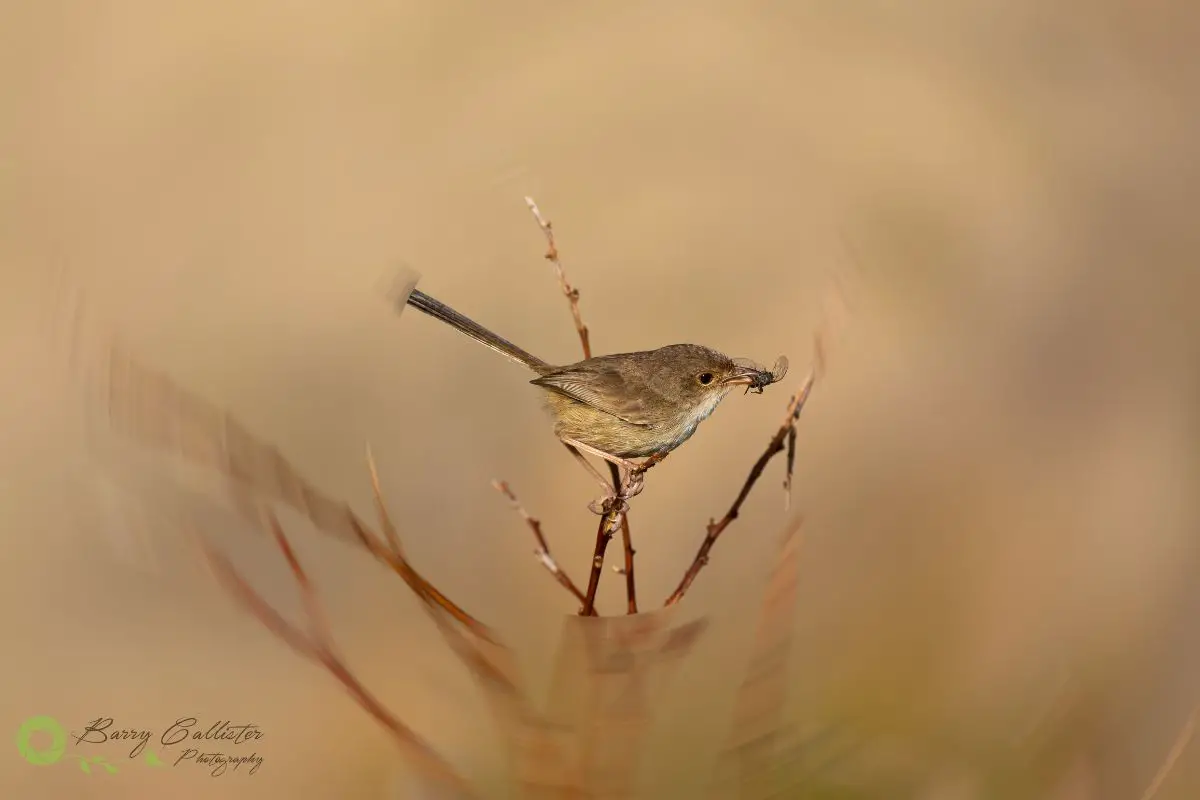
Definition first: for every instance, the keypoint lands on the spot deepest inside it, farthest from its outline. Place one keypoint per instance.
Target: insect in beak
(743, 376)
(755, 378)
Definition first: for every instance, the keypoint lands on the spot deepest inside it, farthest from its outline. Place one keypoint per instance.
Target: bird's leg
(625, 489)
(633, 479)
(573, 448)
(616, 459)
(632, 474)
(620, 462)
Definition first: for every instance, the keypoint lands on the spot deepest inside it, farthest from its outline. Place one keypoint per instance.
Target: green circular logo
(42, 724)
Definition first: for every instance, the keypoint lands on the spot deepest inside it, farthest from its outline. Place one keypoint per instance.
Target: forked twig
(627, 539)
(385, 521)
(784, 438)
(390, 552)
(316, 644)
(614, 515)
(571, 293)
(147, 406)
(627, 570)
(610, 520)
(543, 548)
(717, 527)
(604, 533)
(607, 526)
(791, 465)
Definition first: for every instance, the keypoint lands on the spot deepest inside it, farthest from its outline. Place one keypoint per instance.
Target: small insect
(764, 378)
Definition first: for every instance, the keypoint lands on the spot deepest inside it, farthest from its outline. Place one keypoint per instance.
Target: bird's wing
(603, 389)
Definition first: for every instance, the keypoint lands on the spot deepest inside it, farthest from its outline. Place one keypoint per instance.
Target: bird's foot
(609, 504)
(633, 484)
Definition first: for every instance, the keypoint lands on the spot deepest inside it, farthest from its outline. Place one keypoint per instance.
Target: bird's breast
(687, 423)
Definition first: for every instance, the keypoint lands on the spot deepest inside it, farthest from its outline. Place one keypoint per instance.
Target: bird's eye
(706, 378)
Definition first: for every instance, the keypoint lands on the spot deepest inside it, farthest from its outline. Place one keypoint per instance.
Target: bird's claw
(634, 484)
(608, 504)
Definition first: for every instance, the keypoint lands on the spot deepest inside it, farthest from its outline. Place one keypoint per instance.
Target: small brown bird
(625, 405)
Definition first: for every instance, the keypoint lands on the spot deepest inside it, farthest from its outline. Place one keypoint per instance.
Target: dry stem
(147, 406)
(385, 521)
(543, 548)
(604, 533)
(317, 645)
(784, 438)
(717, 527)
(627, 570)
(391, 553)
(609, 521)
(627, 540)
(571, 293)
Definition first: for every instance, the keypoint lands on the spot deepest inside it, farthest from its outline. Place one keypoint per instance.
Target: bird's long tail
(439, 310)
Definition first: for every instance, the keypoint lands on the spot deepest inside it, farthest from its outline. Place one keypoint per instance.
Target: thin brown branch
(630, 586)
(147, 406)
(631, 606)
(604, 532)
(717, 527)
(836, 301)
(627, 540)
(391, 552)
(613, 516)
(1173, 755)
(312, 608)
(543, 548)
(651, 462)
(423, 588)
(571, 293)
(318, 646)
(253, 602)
(791, 465)
(385, 520)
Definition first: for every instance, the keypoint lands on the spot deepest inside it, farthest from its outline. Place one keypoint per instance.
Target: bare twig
(1177, 748)
(627, 571)
(609, 522)
(791, 464)
(317, 645)
(543, 549)
(613, 516)
(423, 588)
(627, 539)
(392, 553)
(651, 462)
(385, 521)
(784, 438)
(605, 531)
(717, 527)
(147, 406)
(571, 293)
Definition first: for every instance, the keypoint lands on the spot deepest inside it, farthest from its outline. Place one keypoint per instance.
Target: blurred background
(997, 581)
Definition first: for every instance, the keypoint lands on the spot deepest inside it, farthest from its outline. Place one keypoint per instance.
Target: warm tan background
(999, 473)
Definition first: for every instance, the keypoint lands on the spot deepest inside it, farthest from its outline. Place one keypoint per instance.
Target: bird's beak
(746, 376)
